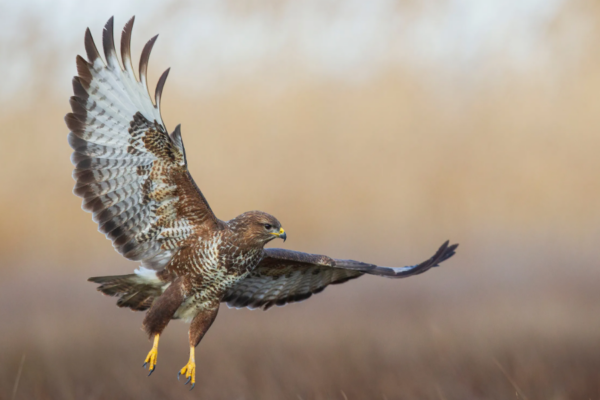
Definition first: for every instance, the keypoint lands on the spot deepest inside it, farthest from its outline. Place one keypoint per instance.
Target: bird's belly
(206, 296)
(189, 309)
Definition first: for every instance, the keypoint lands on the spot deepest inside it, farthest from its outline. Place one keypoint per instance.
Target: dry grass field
(497, 154)
(363, 340)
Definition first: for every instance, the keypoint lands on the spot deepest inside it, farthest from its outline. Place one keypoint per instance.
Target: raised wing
(131, 174)
(286, 276)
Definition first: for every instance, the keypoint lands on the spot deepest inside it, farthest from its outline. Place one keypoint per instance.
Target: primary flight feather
(133, 177)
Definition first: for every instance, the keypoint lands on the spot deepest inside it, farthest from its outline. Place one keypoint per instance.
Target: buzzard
(133, 177)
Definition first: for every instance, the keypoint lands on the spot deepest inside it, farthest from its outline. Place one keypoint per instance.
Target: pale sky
(351, 40)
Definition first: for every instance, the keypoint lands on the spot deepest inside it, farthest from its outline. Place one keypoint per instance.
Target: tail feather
(133, 290)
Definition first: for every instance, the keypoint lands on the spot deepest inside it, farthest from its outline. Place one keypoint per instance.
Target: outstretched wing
(131, 174)
(286, 276)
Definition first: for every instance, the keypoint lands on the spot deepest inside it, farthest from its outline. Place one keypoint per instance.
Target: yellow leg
(152, 355)
(190, 369)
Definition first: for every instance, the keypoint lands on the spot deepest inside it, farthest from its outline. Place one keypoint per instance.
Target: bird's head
(257, 228)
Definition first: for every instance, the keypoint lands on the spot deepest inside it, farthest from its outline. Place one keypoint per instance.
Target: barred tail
(136, 291)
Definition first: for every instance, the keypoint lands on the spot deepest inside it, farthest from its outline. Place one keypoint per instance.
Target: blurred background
(372, 130)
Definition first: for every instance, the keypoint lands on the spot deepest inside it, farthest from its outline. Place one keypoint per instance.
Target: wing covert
(131, 174)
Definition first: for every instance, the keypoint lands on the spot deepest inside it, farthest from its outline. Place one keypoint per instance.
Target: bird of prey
(133, 177)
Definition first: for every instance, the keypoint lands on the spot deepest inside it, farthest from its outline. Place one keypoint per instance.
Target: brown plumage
(133, 178)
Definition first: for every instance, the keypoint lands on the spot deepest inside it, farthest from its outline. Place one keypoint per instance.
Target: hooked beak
(281, 234)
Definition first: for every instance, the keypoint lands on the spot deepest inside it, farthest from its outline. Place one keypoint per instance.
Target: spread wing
(131, 174)
(286, 276)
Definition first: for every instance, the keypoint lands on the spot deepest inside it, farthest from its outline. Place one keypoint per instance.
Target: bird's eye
(268, 226)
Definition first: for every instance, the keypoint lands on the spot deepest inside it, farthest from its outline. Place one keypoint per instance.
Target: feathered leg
(159, 315)
(198, 328)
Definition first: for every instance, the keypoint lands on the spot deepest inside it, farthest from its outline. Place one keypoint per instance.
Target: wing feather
(286, 276)
(108, 43)
(131, 174)
(160, 86)
(126, 48)
(144, 60)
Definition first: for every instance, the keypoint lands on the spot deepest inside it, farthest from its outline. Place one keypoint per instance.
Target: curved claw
(150, 360)
(193, 386)
(189, 372)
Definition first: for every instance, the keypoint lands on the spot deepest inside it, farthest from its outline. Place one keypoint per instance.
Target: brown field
(365, 340)
(502, 160)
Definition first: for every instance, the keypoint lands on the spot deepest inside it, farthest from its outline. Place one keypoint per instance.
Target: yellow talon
(189, 371)
(152, 356)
